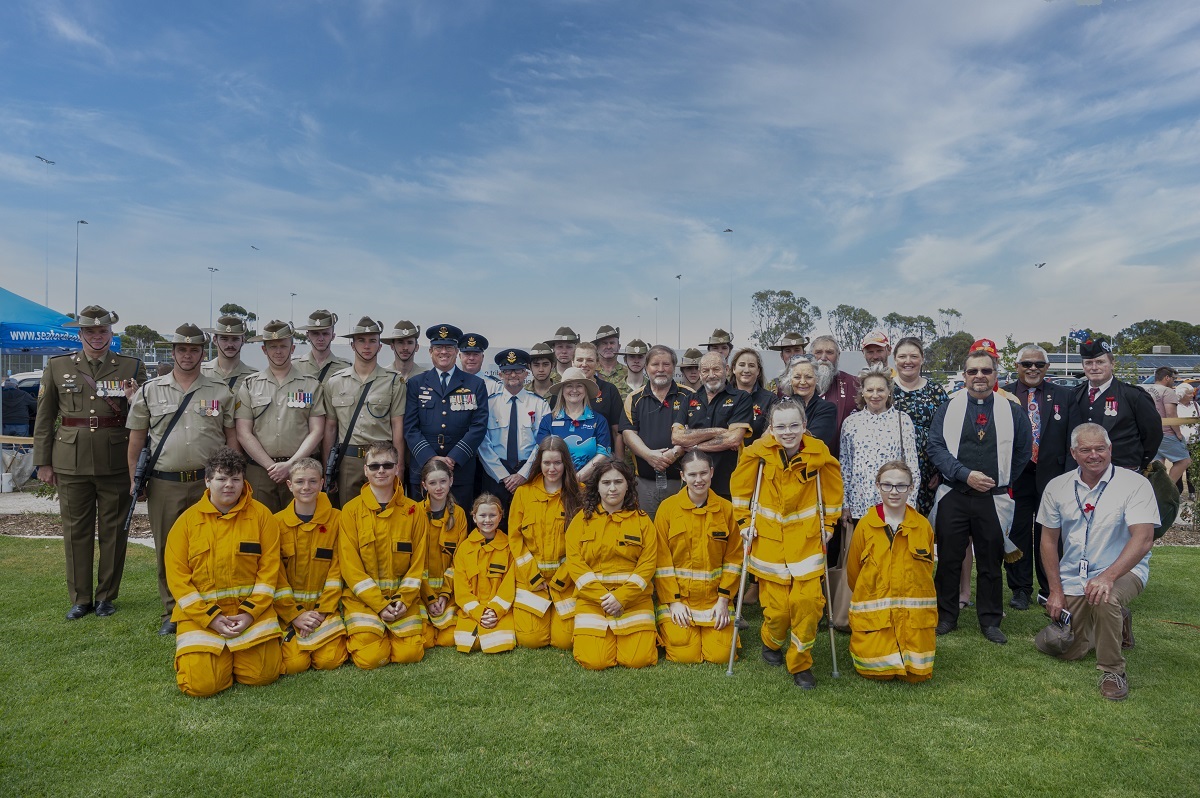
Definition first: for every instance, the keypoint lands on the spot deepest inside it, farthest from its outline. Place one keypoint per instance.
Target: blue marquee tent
(29, 328)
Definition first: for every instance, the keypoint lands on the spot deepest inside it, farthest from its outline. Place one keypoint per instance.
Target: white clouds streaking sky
(511, 167)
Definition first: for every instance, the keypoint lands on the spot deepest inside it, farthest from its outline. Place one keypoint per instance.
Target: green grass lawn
(91, 708)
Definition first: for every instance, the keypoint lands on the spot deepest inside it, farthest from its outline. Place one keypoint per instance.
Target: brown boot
(1114, 686)
(1126, 628)
(751, 594)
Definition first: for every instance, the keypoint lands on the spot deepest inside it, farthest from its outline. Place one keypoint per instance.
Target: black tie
(514, 453)
(445, 381)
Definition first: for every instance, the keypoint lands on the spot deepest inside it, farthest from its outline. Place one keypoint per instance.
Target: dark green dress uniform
(87, 451)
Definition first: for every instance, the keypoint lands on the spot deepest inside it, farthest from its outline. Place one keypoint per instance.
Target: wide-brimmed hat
(188, 334)
(1055, 638)
(229, 325)
(575, 375)
(718, 336)
(512, 359)
(788, 340)
(366, 326)
(320, 320)
(443, 335)
(403, 329)
(606, 331)
(691, 357)
(563, 335)
(472, 342)
(275, 330)
(94, 316)
(635, 347)
(541, 349)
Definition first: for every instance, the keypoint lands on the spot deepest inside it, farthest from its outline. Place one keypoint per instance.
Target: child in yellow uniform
(447, 527)
(484, 583)
(309, 594)
(222, 564)
(699, 565)
(786, 552)
(611, 552)
(537, 532)
(889, 568)
(381, 549)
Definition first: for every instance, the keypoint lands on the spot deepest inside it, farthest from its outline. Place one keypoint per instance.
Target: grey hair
(659, 349)
(1089, 429)
(822, 338)
(1185, 389)
(1031, 347)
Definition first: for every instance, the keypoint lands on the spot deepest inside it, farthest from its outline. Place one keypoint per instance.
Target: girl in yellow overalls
(483, 583)
(447, 528)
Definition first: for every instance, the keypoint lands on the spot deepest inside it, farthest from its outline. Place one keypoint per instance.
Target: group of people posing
(611, 505)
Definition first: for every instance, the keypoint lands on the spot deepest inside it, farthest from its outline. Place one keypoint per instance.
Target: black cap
(443, 335)
(1093, 348)
(512, 359)
(472, 342)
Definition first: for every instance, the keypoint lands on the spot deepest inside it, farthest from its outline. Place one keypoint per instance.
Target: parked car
(1067, 382)
(29, 382)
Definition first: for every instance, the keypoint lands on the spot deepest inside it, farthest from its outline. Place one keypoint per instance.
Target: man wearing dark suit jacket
(1125, 410)
(446, 416)
(1046, 405)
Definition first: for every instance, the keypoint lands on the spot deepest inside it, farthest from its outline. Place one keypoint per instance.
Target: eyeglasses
(783, 428)
(984, 372)
(1032, 364)
(888, 487)
(380, 466)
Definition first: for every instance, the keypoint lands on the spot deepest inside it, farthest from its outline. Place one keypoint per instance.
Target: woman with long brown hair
(537, 522)
(447, 529)
(611, 551)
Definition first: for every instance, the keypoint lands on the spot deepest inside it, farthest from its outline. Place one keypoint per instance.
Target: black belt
(195, 475)
(354, 451)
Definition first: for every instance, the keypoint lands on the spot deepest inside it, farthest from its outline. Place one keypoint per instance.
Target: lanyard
(1088, 517)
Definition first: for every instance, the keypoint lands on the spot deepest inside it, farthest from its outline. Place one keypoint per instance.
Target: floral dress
(868, 441)
(920, 405)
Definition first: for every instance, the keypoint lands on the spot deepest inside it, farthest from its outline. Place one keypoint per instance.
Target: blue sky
(514, 166)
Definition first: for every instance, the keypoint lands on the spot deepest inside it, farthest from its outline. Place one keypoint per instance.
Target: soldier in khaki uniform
(382, 415)
(563, 343)
(404, 343)
(320, 361)
(788, 346)
(229, 336)
(85, 456)
(635, 367)
(720, 342)
(541, 368)
(279, 417)
(689, 369)
(204, 426)
(608, 346)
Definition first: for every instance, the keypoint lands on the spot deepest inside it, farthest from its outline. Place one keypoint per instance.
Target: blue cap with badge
(443, 335)
(512, 360)
(472, 342)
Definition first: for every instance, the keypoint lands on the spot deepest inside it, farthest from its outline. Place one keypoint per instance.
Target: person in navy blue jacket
(446, 416)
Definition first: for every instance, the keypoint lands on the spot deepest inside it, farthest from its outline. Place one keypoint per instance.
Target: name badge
(1083, 569)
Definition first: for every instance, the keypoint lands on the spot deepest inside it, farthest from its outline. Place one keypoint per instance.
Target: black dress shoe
(742, 623)
(994, 635)
(77, 611)
(104, 609)
(167, 628)
(772, 657)
(945, 627)
(1019, 600)
(805, 679)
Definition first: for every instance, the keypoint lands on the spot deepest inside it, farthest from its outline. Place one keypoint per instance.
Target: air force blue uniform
(450, 423)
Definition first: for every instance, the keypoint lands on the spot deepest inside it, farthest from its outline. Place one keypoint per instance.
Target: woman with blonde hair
(541, 510)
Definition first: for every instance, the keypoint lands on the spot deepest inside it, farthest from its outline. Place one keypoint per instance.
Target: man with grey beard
(834, 385)
(715, 419)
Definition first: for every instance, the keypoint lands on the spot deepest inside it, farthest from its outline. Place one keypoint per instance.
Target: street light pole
(81, 221)
(292, 312)
(46, 219)
(212, 271)
(656, 320)
(728, 230)
(679, 315)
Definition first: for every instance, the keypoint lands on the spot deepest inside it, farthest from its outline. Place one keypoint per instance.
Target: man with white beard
(715, 419)
(834, 385)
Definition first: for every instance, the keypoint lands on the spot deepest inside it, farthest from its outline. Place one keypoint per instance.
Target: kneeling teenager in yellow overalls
(309, 595)
(222, 564)
(485, 583)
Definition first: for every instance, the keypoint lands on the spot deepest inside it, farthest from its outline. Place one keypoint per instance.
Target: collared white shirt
(494, 449)
(1120, 499)
(1100, 391)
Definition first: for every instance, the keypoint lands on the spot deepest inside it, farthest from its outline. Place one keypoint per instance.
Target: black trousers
(1025, 528)
(962, 518)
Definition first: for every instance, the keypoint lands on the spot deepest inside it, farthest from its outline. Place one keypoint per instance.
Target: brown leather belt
(94, 422)
(195, 475)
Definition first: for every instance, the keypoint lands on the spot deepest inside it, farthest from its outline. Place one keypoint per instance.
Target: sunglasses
(1032, 364)
(380, 466)
(985, 372)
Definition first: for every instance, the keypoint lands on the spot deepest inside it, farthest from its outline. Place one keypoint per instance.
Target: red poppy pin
(981, 419)
(321, 529)
(1087, 508)
(412, 509)
(694, 403)
(532, 413)
(757, 411)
